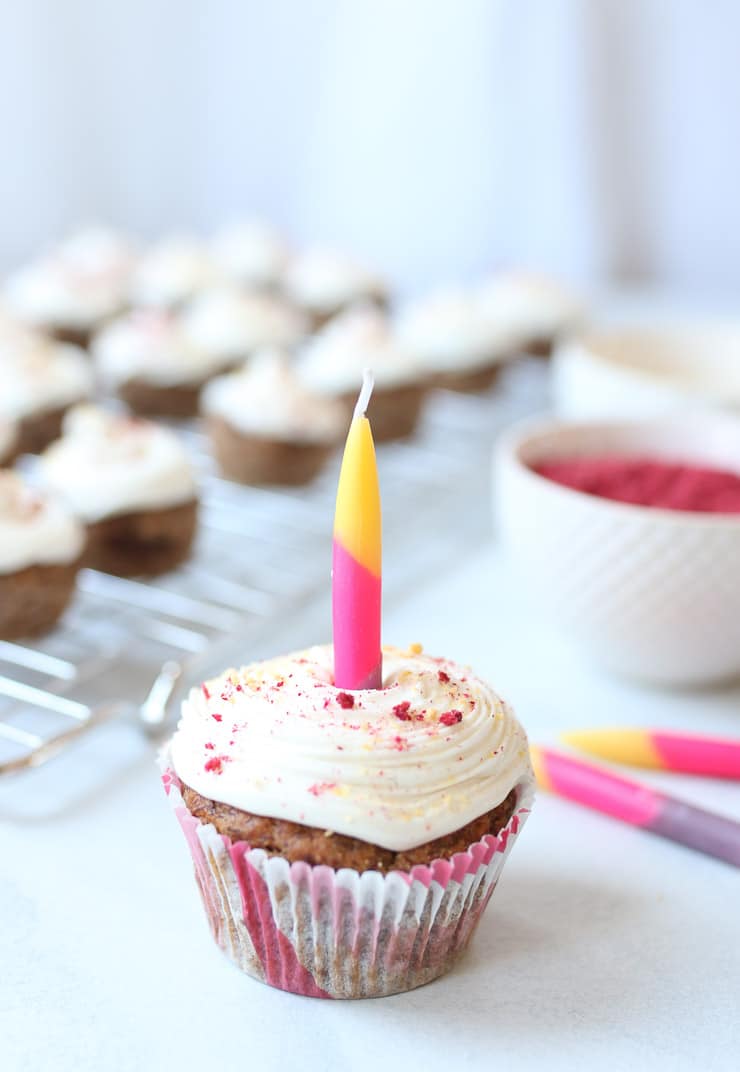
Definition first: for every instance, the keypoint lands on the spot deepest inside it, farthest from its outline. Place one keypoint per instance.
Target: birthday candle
(639, 805)
(688, 753)
(356, 572)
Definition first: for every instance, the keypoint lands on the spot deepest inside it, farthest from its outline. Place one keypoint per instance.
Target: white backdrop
(437, 137)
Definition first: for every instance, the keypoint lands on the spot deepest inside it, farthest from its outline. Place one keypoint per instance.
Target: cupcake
(346, 843)
(41, 379)
(75, 288)
(536, 311)
(266, 427)
(41, 544)
(332, 364)
(131, 482)
(170, 273)
(453, 341)
(230, 325)
(324, 282)
(250, 254)
(8, 442)
(150, 362)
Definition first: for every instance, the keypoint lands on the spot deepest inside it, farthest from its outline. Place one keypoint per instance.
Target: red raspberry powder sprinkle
(451, 718)
(217, 717)
(209, 745)
(401, 710)
(443, 677)
(205, 691)
(214, 764)
(345, 700)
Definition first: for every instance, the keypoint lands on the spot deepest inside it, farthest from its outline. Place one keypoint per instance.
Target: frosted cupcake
(41, 545)
(458, 346)
(231, 325)
(266, 427)
(132, 484)
(170, 273)
(534, 310)
(250, 254)
(150, 362)
(324, 282)
(41, 379)
(73, 290)
(346, 843)
(332, 364)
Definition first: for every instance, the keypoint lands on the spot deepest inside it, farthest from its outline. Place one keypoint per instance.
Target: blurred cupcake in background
(325, 282)
(250, 254)
(41, 379)
(459, 347)
(132, 484)
(150, 362)
(266, 427)
(332, 364)
(41, 545)
(536, 310)
(230, 325)
(74, 289)
(171, 272)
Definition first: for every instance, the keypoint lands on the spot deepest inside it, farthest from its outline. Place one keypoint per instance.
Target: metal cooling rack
(127, 648)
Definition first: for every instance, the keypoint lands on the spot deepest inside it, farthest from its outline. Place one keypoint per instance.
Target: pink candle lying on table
(639, 805)
(356, 570)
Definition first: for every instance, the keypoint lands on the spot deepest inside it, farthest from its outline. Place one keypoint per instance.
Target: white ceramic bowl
(653, 594)
(627, 373)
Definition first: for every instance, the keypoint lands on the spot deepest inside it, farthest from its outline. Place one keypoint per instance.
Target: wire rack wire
(126, 648)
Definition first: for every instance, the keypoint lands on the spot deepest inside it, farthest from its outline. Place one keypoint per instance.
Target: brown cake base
(33, 599)
(152, 400)
(76, 336)
(542, 347)
(38, 430)
(393, 411)
(295, 842)
(467, 382)
(142, 543)
(253, 460)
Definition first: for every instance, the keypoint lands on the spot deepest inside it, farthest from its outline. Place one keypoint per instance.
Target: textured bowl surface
(649, 593)
(626, 373)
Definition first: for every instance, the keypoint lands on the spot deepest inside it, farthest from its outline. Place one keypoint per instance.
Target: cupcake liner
(341, 933)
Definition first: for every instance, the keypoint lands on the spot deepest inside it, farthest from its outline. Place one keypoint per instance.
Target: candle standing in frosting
(357, 554)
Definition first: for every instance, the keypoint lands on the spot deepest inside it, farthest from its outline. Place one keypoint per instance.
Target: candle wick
(368, 382)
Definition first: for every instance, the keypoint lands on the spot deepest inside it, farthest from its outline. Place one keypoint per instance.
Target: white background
(437, 137)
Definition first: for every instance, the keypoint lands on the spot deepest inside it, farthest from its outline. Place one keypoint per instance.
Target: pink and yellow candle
(686, 753)
(356, 559)
(636, 804)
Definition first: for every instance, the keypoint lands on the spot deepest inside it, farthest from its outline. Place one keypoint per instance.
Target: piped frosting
(400, 766)
(150, 345)
(107, 464)
(266, 398)
(325, 280)
(34, 529)
(233, 324)
(39, 376)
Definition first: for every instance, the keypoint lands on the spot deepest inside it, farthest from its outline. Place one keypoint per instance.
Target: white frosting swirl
(398, 767)
(250, 253)
(40, 375)
(231, 324)
(150, 345)
(448, 331)
(53, 293)
(34, 530)
(107, 464)
(324, 280)
(333, 361)
(267, 399)
(171, 272)
(526, 306)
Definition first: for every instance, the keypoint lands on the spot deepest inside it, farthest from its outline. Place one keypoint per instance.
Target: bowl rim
(515, 438)
(693, 331)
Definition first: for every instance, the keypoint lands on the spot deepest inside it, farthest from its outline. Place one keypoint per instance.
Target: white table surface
(602, 948)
